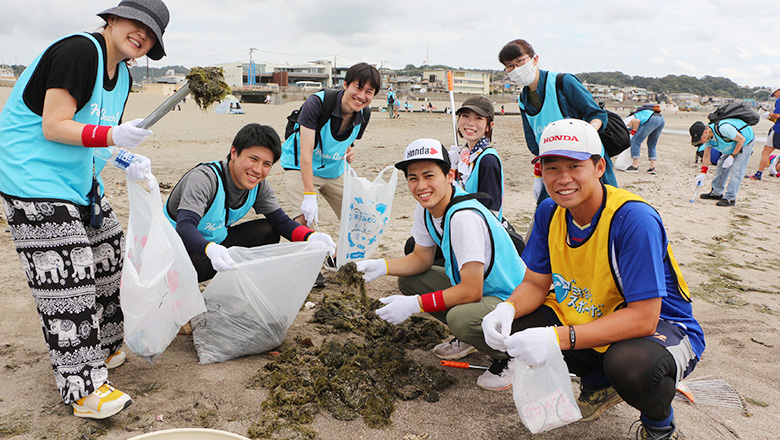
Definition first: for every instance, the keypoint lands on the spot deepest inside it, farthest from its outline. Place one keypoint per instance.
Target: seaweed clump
(207, 85)
(351, 379)
(348, 380)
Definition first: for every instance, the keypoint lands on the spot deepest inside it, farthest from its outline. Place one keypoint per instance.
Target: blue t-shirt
(639, 241)
(643, 116)
(776, 127)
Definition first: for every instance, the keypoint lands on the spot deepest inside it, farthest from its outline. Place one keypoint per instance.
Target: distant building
(464, 81)
(171, 78)
(688, 100)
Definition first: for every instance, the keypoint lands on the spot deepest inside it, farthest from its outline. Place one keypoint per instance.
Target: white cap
(422, 149)
(571, 138)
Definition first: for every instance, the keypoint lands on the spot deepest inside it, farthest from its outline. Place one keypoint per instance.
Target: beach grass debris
(207, 85)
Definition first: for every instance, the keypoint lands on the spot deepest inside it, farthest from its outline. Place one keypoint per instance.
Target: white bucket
(190, 434)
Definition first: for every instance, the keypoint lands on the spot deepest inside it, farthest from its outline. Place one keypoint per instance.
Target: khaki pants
(331, 189)
(464, 320)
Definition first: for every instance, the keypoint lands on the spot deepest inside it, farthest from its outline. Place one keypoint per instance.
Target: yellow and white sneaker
(116, 359)
(102, 403)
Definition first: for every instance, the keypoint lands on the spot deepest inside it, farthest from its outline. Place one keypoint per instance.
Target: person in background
(62, 114)
(735, 145)
(208, 200)
(647, 124)
(629, 337)
(773, 138)
(540, 103)
(391, 98)
(481, 264)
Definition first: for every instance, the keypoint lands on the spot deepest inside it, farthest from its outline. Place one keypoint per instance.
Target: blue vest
(472, 185)
(328, 159)
(504, 272)
(550, 111)
(726, 146)
(34, 167)
(214, 223)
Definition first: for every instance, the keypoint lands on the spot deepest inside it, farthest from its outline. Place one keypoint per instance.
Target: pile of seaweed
(207, 85)
(361, 377)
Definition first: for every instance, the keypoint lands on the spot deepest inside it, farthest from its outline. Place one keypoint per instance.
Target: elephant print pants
(73, 271)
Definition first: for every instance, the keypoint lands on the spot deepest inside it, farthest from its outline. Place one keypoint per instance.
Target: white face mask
(524, 75)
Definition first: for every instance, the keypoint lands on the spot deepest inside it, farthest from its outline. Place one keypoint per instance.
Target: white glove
(538, 185)
(372, 269)
(701, 178)
(729, 161)
(138, 168)
(497, 325)
(454, 154)
(530, 346)
(399, 308)
(324, 238)
(128, 135)
(764, 115)
(309, 209)
(219, 256)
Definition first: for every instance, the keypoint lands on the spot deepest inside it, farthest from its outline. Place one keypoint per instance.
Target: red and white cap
(423, 149)
(570, 138)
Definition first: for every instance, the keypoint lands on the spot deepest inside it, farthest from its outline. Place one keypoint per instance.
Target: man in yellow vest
(620, 308)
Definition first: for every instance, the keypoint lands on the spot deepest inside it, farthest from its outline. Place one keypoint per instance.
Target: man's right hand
(701, 178)
(309, 209)
(497, 325)
(219, 256)
(372, 269)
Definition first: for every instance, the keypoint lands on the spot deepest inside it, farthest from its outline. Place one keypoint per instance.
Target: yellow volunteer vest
(586, 287)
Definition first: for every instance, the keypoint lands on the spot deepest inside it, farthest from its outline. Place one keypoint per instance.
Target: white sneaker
(116, 359)
(452, 350)
(102, 403)
(499, 376)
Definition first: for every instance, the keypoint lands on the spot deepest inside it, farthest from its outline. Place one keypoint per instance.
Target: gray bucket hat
(152, 13)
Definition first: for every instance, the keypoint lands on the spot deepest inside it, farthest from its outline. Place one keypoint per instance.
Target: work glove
(309, 210)
(701, 178)
(399, 308)
(497, 325)
(454, 155)
(219, 256)
(138, 168)
(538, 185)
(530, 345)
(128, 135)
(324, 238)
(729, 161)
(764, 115)
(372, 269)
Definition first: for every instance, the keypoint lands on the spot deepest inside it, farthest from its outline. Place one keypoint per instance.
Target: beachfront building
(685, 100)
(464, 81)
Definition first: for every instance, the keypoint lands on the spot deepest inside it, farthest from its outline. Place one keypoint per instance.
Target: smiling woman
(59, 116)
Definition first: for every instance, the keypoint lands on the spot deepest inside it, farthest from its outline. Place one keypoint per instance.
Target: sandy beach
(728, 255)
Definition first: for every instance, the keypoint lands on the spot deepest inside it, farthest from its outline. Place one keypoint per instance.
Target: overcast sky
(736, 39)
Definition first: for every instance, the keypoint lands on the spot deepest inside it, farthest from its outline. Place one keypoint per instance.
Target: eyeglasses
(512, 65)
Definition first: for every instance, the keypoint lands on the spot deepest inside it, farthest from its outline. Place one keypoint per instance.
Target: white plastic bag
(623, 160)
(543, 394)
(365, 213)
(159, 291)
(250, 309)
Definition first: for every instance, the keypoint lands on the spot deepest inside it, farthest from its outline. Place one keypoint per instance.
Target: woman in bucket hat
(63, 113)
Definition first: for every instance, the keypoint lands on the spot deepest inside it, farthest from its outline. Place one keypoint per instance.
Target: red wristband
(704, 169)
(301, 233)
(433, 302)
(538, 169)
(95, 136)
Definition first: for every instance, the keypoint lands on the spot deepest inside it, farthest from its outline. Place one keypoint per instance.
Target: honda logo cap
(570, 138)
(423, 149)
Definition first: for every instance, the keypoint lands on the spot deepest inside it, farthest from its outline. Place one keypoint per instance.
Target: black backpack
(735, 110)
(391, 99)
(654, 107)
(328, 104)
(615, 135)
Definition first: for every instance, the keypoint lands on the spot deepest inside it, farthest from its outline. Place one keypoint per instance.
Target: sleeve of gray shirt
(197, 190)
(266, 199)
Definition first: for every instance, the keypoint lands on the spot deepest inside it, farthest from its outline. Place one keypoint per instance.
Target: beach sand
(728, 257)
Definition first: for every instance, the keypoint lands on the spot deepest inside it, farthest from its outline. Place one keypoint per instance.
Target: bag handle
(379, 176)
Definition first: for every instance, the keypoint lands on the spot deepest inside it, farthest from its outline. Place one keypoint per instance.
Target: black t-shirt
(69, 64)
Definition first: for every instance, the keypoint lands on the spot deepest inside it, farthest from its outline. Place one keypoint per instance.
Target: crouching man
(620, 308)
(210, 198)
(481, 264)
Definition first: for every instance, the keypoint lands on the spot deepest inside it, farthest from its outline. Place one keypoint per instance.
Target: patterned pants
(73, 271)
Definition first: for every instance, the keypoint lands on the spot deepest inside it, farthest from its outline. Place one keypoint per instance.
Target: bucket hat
(152, 13)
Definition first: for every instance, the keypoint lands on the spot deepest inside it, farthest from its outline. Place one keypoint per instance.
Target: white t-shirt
(469, 234)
